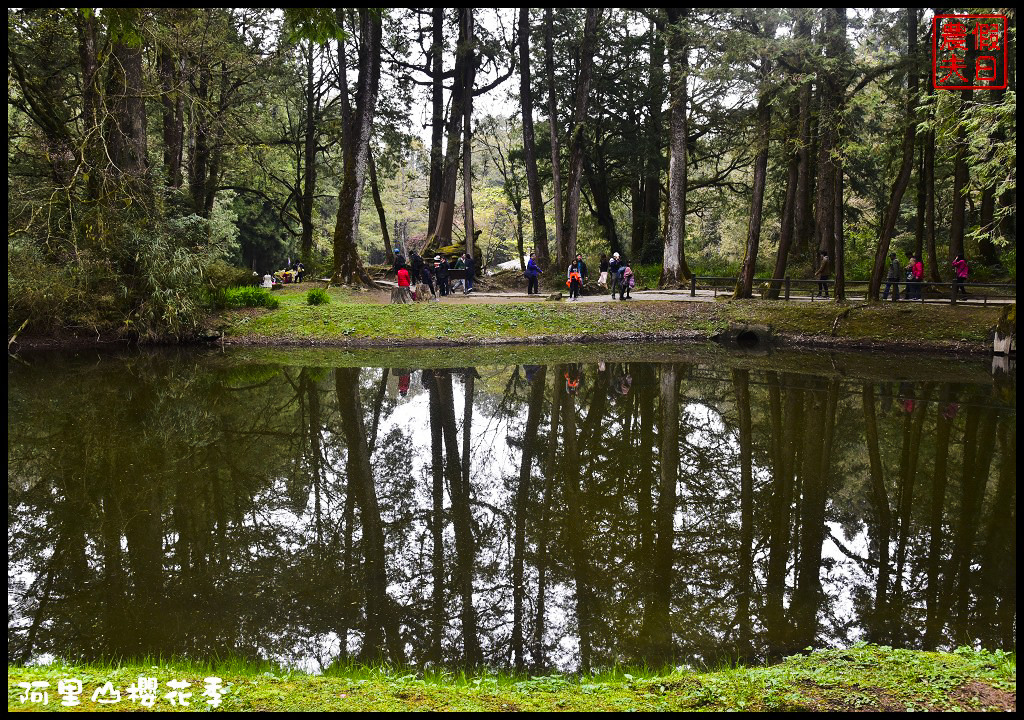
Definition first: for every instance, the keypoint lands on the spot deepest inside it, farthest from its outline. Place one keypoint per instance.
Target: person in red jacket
(403, 277)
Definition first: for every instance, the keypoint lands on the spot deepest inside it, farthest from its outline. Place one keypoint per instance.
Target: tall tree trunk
(961, 169)
(375, 189)
(356, 144)
(651, 228)
(883, 518)
(464, 58)
(936, 534)
(550, 469)
(467, 139)
(674, 268)
(829, 119)
(309, 158)
(540, 231)
(556, 155)
(436, 117)
(89, 61)
(745, 285)
(786, 230)
(929, 172)
(892, 213)
(173, 115)
(126, 121)
(803, 212)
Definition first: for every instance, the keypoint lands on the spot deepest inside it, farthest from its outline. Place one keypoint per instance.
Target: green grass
(347, 323)
(862, 677)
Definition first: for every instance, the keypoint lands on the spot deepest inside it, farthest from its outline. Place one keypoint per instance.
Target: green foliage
(317, 296)
(221, 274)
(239, 297)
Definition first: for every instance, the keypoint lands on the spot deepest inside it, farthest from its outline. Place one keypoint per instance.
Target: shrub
(239, 297)
(317, 296)
(221, 275)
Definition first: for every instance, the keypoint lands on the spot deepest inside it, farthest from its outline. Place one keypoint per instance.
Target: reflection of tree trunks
(576, 531)
(741, 384)
(545, 518)
(380, 619)
(378, 402)
(787, 427)
(997, 579)
(437, 613)
(656, 628)
(521, 504)
(905, 497)
(944, 424)
(814, 484)
(462, 517)
(645, 396)
(883, 520)
(979, 447)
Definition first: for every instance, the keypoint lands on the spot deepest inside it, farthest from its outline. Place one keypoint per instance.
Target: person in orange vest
(574, 279)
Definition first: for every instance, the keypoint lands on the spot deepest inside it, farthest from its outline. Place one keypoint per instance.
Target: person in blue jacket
(532, 275)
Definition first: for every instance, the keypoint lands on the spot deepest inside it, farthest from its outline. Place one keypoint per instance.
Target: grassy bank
(864, 677)
(343, 322)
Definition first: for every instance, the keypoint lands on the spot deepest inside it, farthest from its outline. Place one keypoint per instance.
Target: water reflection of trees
(528, 517)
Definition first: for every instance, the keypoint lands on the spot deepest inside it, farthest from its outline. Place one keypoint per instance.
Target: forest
(158, 154)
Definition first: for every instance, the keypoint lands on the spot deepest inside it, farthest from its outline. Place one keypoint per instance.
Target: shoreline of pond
(863, 677)
(875, 328)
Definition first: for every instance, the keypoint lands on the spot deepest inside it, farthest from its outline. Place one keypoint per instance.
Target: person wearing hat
(613, 272)
(441, 273)
(892, 278)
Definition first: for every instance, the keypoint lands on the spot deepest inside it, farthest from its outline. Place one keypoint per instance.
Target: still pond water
(310, 507)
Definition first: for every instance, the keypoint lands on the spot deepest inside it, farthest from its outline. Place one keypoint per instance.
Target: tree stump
(423, 293)
(401, 296)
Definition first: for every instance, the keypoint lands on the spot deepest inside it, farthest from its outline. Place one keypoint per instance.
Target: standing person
(915, 274)
(584, 274)
(602, 279)
(427, 278)
(404, 281)
(892, 279)
(960, 271)
(441, 273)
(613, 272)
(627, 282)
(417, 265)
(460, 264)
(823, 272)
(470, 268)
(532, 273)
(574, 280)
(397, 261)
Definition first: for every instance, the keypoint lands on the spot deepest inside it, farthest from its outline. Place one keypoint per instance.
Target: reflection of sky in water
(709, 479)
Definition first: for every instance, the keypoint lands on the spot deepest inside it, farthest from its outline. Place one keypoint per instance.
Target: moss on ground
(865, 677)
(355, 323)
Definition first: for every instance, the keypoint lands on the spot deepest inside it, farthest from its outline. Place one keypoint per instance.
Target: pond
(564, 508)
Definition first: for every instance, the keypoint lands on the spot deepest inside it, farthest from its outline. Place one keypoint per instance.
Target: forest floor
(862, 678)
(365, 318)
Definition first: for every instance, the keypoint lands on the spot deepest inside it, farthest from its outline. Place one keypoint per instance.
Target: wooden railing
(784, 288)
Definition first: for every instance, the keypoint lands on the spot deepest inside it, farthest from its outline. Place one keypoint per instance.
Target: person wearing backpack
(823, 272)
(574, 279)
(892, 279)
(960, 271)
(628, 281)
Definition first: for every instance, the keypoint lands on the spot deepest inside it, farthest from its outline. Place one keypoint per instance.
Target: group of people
(614, 270)
(912, 274)
(292, 273)
(436, 274)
